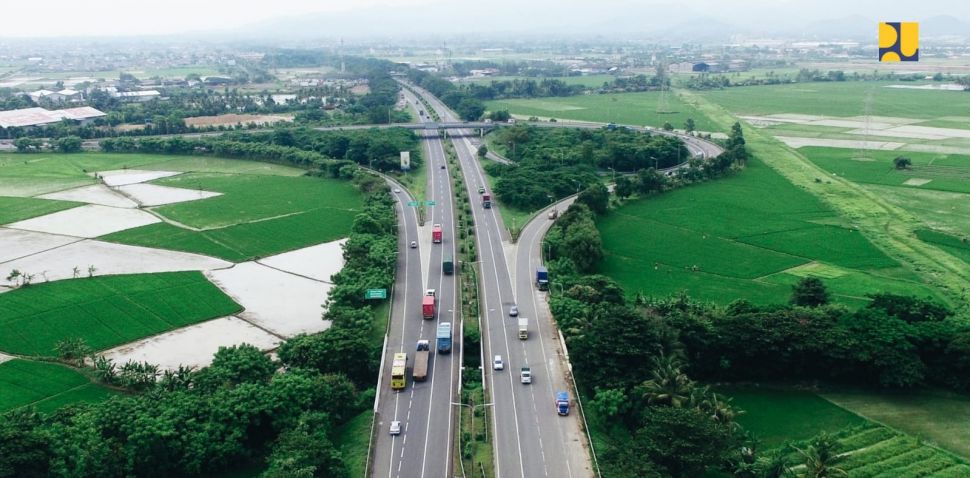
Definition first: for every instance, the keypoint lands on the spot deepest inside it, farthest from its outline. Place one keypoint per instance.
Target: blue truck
(562, 403)
(542, 278)
(444, 338)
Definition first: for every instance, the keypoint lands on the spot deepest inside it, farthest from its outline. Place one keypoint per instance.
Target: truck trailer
(523, 328)
(420, 372)
(487, 201)
(436, 234)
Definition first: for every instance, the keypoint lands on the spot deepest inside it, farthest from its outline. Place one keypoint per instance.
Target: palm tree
(667, 385)
(821, 458)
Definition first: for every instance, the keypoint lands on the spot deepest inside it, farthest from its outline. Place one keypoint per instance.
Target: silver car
(396, 427)
(514, 311)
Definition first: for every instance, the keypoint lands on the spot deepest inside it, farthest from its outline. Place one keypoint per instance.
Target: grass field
(33, 174)
(840, 99)
(14, 209)
(353, 439)
(939, 417)
(776, 416)
(945, 172)
(46, 386)
(248, 198)
(247, 241)
(748, 236)
(622, 108)
(889, 226)
(106, 311)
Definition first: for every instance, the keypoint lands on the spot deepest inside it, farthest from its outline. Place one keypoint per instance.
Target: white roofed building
(31, 117)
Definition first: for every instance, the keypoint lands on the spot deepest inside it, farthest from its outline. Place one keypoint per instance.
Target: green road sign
(429, 203)
(376, 294)
(414, 203)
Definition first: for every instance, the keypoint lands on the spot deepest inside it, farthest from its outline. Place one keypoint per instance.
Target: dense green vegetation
(946, 172)
(46, 386)
(552, 164)
(14, 209)
(106, 311)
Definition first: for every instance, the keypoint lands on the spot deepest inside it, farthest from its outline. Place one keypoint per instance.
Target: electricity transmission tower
(863, 152)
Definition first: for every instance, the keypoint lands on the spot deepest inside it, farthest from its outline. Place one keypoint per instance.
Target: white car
(397, 190)
(396, 427)
(514, 311)
(414, 244)
(498, 364)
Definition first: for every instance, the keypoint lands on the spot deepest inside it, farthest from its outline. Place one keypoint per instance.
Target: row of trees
(379, 149)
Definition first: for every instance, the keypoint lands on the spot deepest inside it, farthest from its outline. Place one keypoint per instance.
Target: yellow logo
(898, 41)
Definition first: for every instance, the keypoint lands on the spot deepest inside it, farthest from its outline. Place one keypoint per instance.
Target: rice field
(45, 386)
(106, 311)
(621, 108)
(748, 236)
(249, 198)
(14, 209)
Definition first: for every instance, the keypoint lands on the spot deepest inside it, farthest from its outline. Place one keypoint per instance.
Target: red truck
(436, 234)
(427, 307)
(487, 201)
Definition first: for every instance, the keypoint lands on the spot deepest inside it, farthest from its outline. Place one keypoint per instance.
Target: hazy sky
(114, 18)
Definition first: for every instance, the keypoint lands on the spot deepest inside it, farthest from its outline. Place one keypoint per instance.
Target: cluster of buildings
(30, 117)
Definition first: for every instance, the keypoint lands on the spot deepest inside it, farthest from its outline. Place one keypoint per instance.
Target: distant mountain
(944, 25)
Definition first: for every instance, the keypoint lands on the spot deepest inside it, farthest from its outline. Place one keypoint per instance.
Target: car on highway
(481, 190)
(396, 427)
(497, 363)
(513, 311)
(525, 375)
(414, 244)
(397, 190)
(442, 166)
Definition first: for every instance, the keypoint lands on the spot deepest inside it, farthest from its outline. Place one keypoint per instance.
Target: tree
(28, 145)
(651, 181)
(902, 162)
(68, 144)
(667, 126)
(667, 385)
(328, 352)
(306, 451)
(681, 441)
(596, 196)
(72, 350)
(235, 365)
(24, 448)
(482, 151)
(500, 116)
(809, 292)
(625, 187)
(689, 125)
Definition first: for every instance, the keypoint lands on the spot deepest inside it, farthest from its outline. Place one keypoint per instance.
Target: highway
(424, 447)
(529, 438)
